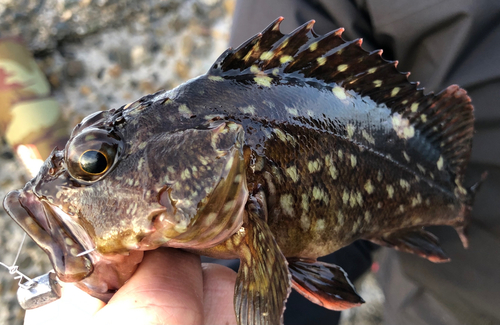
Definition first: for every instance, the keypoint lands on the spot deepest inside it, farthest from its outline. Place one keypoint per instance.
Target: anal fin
(417, 241)
(263, 282)
(324, 284)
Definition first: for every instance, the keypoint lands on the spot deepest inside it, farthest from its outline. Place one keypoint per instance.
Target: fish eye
(93, 162)
(91, 154)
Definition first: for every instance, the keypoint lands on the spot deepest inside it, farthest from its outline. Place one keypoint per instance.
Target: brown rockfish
(289, 148)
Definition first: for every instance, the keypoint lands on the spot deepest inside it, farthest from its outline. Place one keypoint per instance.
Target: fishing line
(14, 270)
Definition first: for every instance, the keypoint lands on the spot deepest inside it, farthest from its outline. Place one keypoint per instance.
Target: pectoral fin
(416, 241)
(324, 284)
(263, 282)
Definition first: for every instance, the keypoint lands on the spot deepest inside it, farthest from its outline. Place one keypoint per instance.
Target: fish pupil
(93, 162)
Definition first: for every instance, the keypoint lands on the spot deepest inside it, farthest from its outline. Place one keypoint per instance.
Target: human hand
(169, 287)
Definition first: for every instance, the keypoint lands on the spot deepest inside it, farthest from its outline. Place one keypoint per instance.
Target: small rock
(85, 90)
(122, 56)
(182, 69)
(146, 87)
(115, 71)
(74, 69)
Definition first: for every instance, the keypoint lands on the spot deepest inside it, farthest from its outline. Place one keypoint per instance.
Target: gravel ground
(100, 54)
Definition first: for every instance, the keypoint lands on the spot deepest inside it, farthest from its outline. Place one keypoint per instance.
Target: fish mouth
(50, 231)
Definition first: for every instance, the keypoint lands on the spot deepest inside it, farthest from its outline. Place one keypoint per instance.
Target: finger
(74, 305)
(167, 288)
(218, 293)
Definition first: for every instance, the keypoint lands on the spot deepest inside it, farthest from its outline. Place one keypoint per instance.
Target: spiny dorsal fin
(445, 119)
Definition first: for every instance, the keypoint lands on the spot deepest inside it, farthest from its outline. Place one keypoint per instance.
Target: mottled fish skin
(290, 147)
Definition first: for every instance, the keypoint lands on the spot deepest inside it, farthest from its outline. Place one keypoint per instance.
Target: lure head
(117, 189)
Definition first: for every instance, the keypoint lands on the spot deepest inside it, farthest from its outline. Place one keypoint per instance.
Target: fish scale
(289, 148)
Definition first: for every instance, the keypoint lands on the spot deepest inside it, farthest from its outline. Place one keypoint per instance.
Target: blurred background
(94, 55)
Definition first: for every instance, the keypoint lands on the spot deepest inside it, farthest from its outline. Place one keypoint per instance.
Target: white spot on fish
(340, 154)
(266, 55)
(377, 83)
(203, 160)
(321, 61)
(416, 200)
(339, 92)
(210, 218)
(406, 156)
(421, 168)
(185, 111)
(292, 172)
(292, 111)
(342, 67)
(402, 127)
(368, 137)
(423, 117)
(281, 135)
(313, 46)
(237, 179)
(334, 173)
(320, 195)
(369, 187)
(320, 225)
(285, 59)
(353, 161)
(228, 206)
(440, 163)
(379, 205)
(359, 198)
(345, 197)
(286, 202)
(314, 166)
(404, 184)
(139, 164)
(248, 110)
(368, 216)
(215, 78)
(142, 145)
(305, 202)
(277, 174)
(390, 191)
(305, 221)
(414, 107)
(259, 163)
(350, 130)
(379, 176)
(340, 218)
(372, 70)
(186, 174)
(254, 69)
(264, 81)
(395, 91)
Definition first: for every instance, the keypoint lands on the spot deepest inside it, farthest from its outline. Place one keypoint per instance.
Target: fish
(289, 148)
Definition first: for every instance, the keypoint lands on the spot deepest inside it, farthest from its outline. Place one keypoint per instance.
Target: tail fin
(461, 229)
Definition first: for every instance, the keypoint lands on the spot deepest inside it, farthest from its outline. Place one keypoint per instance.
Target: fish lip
(42, 224)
